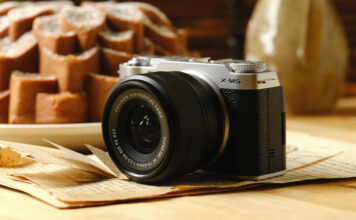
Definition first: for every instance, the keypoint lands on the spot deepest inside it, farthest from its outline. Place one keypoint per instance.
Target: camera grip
(256, 144)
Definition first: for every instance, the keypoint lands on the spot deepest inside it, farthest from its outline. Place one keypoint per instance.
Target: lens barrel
(162, 124)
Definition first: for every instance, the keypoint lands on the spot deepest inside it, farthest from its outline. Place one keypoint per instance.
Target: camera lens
(136, 130)
(144, 129)
(163, 124)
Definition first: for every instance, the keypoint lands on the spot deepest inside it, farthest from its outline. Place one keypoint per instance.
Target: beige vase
(305, 43)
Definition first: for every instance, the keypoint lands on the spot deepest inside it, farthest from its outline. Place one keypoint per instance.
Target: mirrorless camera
(172, 116)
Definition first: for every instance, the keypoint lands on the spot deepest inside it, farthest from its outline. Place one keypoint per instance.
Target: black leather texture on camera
(256, 144)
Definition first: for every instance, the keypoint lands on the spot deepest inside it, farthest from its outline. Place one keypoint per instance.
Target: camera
(170, 116)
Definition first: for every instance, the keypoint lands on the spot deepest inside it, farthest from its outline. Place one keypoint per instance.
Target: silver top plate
(226, 74)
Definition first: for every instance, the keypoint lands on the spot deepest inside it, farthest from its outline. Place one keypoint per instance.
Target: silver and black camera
(172, 116)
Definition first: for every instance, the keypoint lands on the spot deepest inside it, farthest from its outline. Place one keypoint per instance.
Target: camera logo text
(229, 80)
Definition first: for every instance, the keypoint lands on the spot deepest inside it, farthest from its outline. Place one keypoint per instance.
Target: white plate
(73, 136)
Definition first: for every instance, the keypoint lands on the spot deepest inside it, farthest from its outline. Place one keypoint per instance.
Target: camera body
(253, 138)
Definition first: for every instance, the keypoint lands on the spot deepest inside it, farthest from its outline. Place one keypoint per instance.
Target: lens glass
(139, 132)
(144, 129)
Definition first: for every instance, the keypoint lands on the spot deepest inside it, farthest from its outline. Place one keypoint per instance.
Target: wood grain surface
(312, 200)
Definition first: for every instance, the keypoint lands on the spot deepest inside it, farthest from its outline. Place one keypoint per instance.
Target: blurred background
(217, 29)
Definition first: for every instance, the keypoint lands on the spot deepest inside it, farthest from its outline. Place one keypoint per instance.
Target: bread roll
(111, 59)
(56, 6)
(4, 106)
(86, 22)
(47, 30)
(5, 7)
(127, 18)
(152, 12)
(61, 108)
(120, 41)
(97, 88)
(4, 26)
(160, 51)
(149, 48)
(157, 26)
(183, 38)
(24, 89)
(21, 19)
(20, 55)
(98, 5)
(162, 36)
(69, 69)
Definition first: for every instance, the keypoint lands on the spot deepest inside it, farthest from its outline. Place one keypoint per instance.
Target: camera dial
(248, 66)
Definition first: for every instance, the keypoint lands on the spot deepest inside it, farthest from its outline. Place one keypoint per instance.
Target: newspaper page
(64, 179)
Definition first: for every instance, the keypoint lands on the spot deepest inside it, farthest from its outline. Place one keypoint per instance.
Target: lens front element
(139, 131)
(144, 129)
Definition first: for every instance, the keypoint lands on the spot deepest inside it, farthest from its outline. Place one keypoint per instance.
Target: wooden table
(317, 200)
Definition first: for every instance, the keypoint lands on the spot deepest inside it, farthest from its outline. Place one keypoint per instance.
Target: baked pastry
(4, 106)
(183, 38)
(56, 6)
(121, 41)
(69, 69)
(67, 38)
(20, 55)
(160, 51)
(61, 108)
(21, 19)
(5, 7)
(149, 48)
(162, 36)
(101, 5)
(86, 22)
(127, 18)
(4, 26)
(152, 12)
(48, 32)
(24, 88)
(157, 26)
(111, 59)
(97, 88)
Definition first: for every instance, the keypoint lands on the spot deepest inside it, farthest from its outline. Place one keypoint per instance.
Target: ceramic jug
(305, 43)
